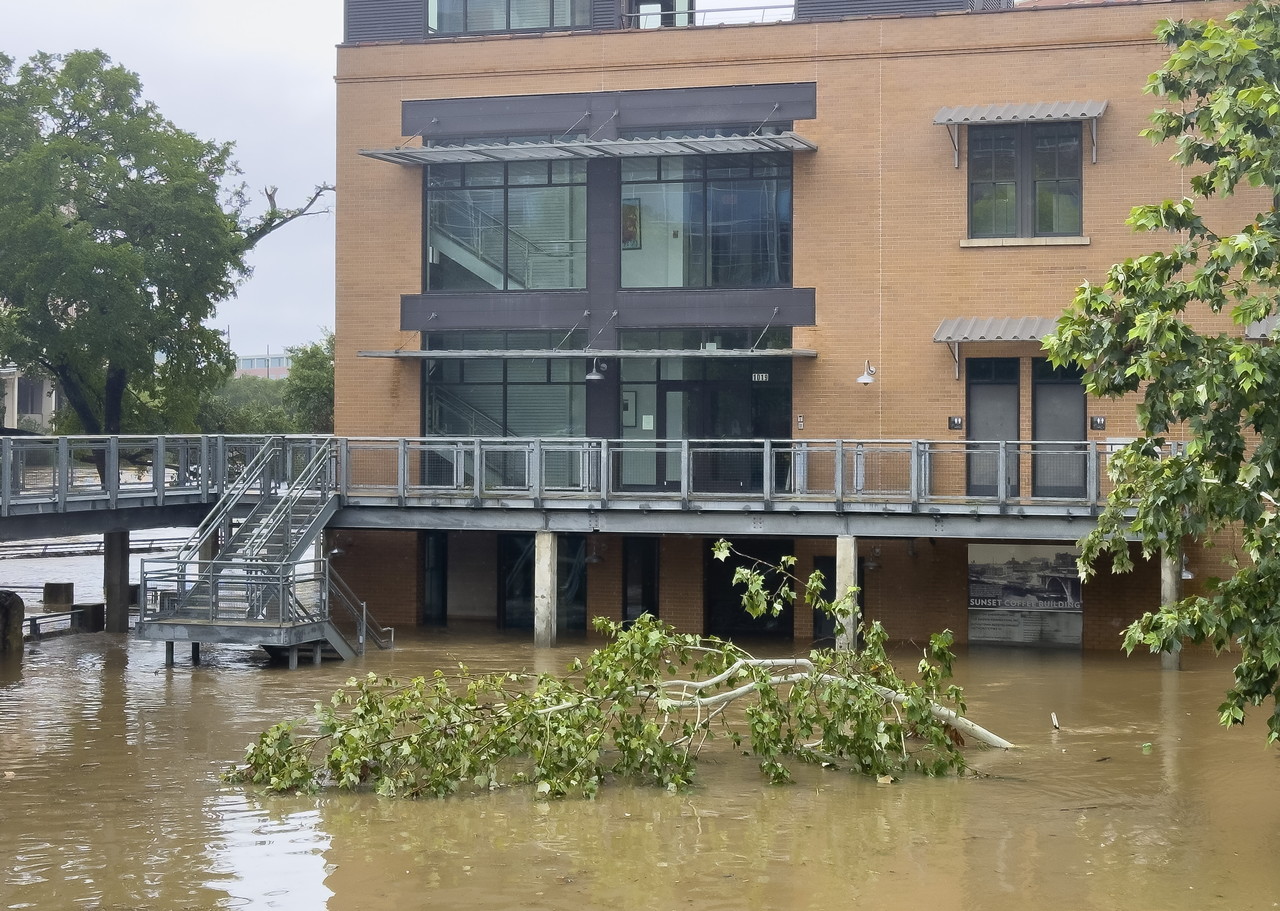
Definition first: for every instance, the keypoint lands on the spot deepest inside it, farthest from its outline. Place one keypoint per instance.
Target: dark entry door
(1057, 413)
(993, 416)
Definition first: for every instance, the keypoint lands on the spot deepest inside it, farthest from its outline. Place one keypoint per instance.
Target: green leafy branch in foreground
(639, 709)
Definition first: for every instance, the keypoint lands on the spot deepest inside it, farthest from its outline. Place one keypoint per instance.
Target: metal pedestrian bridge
(255, 570)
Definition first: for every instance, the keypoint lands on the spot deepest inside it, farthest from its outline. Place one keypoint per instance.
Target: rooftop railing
(40, 475)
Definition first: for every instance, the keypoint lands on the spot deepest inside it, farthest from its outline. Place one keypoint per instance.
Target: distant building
(268, 366)
(29, 402)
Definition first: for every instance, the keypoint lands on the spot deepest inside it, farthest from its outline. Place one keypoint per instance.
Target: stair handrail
(383, 636)
(316, 477)
(230, 499)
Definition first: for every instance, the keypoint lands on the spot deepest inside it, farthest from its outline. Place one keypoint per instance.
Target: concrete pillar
(115, 580)
(544, 589)
(1171, 591)
(847, 575)
(195, 652)
(168, 653)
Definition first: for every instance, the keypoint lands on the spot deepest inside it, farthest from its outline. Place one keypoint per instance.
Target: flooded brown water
(110, 799)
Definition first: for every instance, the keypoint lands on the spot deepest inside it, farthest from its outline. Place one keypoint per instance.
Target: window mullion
(1025, 182)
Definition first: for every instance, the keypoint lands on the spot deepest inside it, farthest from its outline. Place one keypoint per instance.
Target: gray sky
(258, 73)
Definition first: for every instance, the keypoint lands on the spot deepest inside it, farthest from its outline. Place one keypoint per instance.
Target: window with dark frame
(463, 17)
(1025, 180)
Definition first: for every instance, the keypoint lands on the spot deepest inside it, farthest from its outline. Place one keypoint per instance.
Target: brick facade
(880, 226)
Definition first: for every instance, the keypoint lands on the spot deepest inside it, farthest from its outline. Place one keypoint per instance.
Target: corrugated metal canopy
(994, 329)
(590, 148)
(1021, 113)
(1262, 329)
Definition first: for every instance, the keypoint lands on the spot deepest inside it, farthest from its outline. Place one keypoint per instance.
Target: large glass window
(506, 395)
(1025, 180)
(506, 227)
(457, 17)
(707, 221)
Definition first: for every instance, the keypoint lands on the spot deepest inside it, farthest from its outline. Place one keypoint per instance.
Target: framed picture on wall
(631, 224)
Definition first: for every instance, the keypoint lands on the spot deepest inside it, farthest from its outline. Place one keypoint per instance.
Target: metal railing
(302, 592)
(41, 475)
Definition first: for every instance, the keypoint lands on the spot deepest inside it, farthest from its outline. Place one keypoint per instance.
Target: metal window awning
(579, 353)
(1262, 329)
(1027, 112)
(991, 329)
(590, 148)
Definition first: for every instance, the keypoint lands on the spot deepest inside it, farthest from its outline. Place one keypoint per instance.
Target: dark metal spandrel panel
(385, 20)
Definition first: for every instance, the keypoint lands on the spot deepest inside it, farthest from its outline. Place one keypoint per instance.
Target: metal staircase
(267, 584)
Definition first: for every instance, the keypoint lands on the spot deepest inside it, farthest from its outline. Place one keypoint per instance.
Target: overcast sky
(258, 73)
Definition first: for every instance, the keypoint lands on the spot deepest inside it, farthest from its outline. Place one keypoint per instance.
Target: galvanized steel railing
(40, 475)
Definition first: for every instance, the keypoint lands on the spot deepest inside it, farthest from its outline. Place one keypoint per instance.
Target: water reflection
(109, 798)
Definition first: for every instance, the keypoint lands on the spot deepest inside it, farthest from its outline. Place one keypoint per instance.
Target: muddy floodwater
(110, 799)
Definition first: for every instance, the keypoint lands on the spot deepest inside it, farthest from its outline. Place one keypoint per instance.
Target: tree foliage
(1136, 334)
(246, 404)
(308, 389)
(119, 234)
(639, 709)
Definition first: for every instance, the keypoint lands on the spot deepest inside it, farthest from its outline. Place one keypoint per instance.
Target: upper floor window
(460, 17)
(1025, 180)
(707, 221)
(506, 227)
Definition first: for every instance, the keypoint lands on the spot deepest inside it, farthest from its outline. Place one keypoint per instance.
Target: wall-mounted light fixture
(868, 375)
(598, 369)
(955, 422)
(1098, 422)
(1186, 573)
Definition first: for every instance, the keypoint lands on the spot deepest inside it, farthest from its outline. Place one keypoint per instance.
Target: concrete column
(1171, 591)
(115, 580)
(195, 652)
(847, 575)
(544, 589)
(168, 653)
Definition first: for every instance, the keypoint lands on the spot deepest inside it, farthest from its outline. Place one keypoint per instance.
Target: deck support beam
(846, 576)
(544, 589)
(115, 580)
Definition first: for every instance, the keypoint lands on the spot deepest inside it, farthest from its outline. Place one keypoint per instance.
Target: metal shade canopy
(1027, 112)
(560, 353)
(991, 329)
(590, 148)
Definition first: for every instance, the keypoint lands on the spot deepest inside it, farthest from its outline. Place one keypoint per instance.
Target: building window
(1024, 180)
(506, 227)
(707, 221)
(458, 17)
(506, 395)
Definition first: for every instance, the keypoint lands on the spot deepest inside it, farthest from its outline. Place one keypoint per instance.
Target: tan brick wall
(384, 570)
(680, 600)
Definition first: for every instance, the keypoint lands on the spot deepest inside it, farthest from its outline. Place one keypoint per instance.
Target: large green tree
(1135, 334)
(308, 389)
(119, 235)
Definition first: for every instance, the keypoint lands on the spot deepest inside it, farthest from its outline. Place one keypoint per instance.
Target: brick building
(740, 267)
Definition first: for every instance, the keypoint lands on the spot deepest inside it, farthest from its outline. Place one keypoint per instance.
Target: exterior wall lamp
(868, 375)
(597, 369)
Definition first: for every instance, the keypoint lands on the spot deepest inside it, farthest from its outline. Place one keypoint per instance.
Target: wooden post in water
(12, 611)
(1171, 591)
(115, 580)
(847, 575)
(544, 589)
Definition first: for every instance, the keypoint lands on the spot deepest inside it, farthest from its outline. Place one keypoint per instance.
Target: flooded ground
(110, 799)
